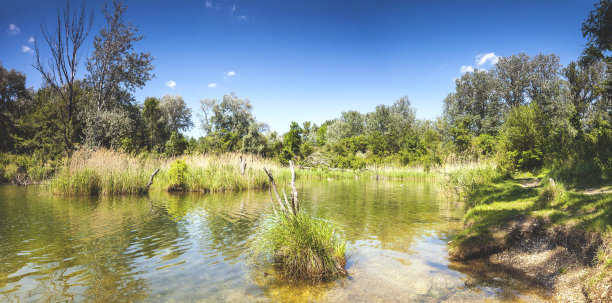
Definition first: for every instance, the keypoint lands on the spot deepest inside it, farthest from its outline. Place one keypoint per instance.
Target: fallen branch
(151, 179)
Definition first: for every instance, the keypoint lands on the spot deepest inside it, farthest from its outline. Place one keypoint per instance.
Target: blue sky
(311, 60)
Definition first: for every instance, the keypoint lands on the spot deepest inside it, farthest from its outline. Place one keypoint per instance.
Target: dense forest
(527, 112)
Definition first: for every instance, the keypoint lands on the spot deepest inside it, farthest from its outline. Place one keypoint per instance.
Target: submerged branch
(151, 179)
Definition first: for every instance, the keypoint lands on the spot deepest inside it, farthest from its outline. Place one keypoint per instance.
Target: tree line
(527, 112)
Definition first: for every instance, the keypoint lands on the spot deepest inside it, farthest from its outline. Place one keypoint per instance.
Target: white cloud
(482, 59)
(466, 69)
(26, 49)
(31, 40)
(171, 84)
(13, 29)
(208, 3)
(230, 73)
(233, 8)
(212, 85)
(243, 18)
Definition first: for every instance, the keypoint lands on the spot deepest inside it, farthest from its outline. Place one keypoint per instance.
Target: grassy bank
(526, 218)
(106, 172)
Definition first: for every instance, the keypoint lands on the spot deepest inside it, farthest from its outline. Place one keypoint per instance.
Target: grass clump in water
(297, 245)
(301, 246)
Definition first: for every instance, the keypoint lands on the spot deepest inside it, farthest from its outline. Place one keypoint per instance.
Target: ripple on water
(192, 247)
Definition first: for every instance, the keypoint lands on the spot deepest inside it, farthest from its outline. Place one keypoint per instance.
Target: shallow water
(177, 248)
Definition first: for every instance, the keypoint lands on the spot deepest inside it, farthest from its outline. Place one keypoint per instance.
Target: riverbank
(106, 173)
(559, 235)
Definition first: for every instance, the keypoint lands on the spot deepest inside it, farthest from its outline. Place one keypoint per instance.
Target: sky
(311, 60)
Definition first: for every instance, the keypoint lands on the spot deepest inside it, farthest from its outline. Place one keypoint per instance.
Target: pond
(177, 248)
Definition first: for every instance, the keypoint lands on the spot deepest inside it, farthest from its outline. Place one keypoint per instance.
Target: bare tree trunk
(242, 165)
(61, 69)
(289, 207)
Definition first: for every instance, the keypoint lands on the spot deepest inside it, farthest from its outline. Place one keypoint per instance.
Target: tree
(12, 91)
(477, 100)
(321, 138)
(254, 141)
(60, 73)
(115, 69)
(232, 114)
(584, 84)
(597, 28)
(176, 145)
(176, 113)
(40, 128)
(512, 74)
(598, 31)
(522, 145)
(291, 143)
(156, 132)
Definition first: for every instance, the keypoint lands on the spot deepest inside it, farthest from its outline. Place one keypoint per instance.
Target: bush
(300, 246)
(177, 174)
(10, 172)
(521, 146)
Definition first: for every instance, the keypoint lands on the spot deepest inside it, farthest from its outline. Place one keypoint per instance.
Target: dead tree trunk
(289, 207)
(151, 180)
(242, 165)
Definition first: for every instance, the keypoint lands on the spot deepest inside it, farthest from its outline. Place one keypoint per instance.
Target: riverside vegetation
(526, 115)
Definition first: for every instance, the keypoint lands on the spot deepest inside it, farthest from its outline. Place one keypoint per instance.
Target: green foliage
(485, 144)
(156, 134)
(176, 145)
(300, 247)
(521, 140)
(291, 144)
(462, 139)
(322, 135)
(177, 174)
(12, 92)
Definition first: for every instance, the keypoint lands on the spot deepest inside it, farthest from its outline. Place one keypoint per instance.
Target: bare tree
(60, 71)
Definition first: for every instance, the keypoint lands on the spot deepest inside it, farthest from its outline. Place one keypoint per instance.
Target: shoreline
(562, 241)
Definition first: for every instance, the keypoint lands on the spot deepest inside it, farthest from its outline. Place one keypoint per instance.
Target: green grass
(300, 247)
(106, 172)
(93, 182)
(495, 202)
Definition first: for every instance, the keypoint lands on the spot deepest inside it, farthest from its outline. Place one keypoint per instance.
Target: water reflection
(191, 247)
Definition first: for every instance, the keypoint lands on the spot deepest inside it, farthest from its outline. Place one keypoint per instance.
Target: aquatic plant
(300, 246)
(297, 245)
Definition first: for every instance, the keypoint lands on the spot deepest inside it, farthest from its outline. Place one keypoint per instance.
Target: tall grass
(102, 172)
(107, 172)
(300, 246)
(464, 179)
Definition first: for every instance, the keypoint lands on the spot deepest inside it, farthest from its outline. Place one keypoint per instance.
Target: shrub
(177, 174)
(11, 171)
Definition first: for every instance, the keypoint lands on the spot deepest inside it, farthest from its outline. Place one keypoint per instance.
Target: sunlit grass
(300, 246)
(107, 172)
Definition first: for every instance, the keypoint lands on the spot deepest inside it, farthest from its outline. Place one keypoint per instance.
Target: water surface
(177, 248)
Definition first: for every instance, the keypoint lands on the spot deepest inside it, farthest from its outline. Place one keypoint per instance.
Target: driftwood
(289, 207)
(151, 179)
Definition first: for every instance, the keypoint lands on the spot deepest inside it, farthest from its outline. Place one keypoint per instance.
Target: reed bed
(107, 172)
(102, 172)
